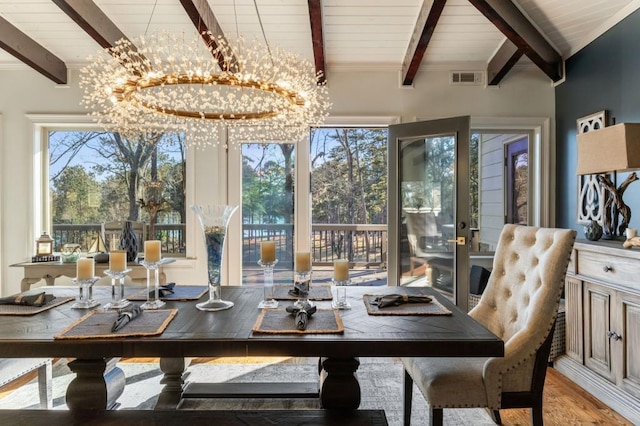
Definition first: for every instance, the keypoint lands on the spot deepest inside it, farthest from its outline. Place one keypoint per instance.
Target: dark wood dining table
(194, 333)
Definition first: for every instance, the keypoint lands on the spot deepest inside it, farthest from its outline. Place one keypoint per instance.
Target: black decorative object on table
(129, 241)
(593, 231)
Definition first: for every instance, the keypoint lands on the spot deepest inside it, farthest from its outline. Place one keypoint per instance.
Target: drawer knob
(607, 268)
(613, 335)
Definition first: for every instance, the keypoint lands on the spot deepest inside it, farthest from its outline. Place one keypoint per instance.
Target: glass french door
(429, 206)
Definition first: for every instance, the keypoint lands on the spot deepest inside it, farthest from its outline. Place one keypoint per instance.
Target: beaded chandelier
(163, 83)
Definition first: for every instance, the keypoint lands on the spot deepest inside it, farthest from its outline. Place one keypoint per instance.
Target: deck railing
(363, 245)
(172, 236)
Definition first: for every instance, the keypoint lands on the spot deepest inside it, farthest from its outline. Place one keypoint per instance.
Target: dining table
(236, 332)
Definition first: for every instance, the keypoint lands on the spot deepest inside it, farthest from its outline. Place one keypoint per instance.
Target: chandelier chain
(264, 35)
(150, 17)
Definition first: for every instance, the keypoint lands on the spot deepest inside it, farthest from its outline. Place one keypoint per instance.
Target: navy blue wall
(605, 75)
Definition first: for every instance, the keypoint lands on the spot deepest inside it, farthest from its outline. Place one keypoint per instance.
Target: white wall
(524, 93)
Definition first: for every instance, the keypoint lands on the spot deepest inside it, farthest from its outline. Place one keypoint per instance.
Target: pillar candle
(85, 269)
(632, 233)
(303, 262)
(117, 260)
(341, 270)
(268, 251)
(152, 251)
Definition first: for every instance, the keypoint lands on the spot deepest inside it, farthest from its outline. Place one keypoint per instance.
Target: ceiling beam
(93, 21)
(31, 53)
(502, 62)
(315, 19)
(422, 32)
(96, 24)
(206, 22)
(523, 34)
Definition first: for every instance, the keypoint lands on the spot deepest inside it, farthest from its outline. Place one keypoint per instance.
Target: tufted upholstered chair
(519, 305)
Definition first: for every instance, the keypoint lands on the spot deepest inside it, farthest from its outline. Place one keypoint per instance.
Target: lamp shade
(609, 149)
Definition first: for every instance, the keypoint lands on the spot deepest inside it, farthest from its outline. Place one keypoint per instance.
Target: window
(96, 177)
(349, 194)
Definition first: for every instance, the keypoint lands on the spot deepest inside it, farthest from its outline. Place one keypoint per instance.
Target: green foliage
(349, 175)
(99, 176)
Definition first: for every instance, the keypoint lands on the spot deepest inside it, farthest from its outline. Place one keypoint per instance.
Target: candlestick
(153, 293)
(85, 292)
(85, 269)
(117, 297)
(267, 252)
(117, 260)
(152, 251)
(303, 262)
(340, 301)
(301, 287)
(341, 270)
(268, 301)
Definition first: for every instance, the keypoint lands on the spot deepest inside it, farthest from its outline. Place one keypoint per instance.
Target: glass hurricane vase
(214, 221)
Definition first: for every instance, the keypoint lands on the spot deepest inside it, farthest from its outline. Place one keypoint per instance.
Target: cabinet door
(628, 313)
(573, 311)
(597, 324)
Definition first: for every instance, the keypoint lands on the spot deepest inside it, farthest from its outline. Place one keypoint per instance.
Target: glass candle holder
(340, 301)
(85, 298)
(117, 294)
(302, 285)
(153, 292)
(268, 301)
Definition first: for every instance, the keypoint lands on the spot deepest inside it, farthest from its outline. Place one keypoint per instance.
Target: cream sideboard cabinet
(602, 302)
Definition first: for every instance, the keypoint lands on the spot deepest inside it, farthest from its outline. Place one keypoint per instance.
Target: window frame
(40, 204)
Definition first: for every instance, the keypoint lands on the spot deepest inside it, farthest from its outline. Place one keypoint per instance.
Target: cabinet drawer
(621, 270)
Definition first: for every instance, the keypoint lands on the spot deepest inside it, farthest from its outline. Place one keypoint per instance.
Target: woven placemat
(32, 310)
(97, 324)
(180, 293)
(316, 292)
(432, 308)
(279, 321)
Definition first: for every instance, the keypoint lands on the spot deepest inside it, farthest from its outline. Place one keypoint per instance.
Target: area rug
(380, 381)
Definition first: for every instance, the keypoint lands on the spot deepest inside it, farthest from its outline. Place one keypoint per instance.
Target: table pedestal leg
(97, 386)
(171, 393)
(339, 387)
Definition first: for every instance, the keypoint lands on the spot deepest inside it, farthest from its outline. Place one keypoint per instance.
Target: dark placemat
(180, 293)
(316, 292)
(432, 308)
(32, 310)
(97, 324)
(279, 321)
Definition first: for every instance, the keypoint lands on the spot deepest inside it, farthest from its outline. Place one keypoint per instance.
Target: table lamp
(611, 149)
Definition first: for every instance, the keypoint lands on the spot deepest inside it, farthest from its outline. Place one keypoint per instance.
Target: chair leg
(536, 414)
(495, 416)
(45, 378)
(436, 416)
(408, 395)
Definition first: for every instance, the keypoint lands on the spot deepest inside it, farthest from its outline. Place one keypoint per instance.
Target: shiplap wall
(492, 187)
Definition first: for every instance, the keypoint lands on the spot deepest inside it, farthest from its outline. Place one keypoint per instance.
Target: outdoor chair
(519, 305)
(12, 369)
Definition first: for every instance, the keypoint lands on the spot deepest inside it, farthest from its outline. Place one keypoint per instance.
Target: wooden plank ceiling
(493, 36)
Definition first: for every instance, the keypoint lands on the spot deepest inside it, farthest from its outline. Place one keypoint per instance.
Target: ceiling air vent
(474, 78)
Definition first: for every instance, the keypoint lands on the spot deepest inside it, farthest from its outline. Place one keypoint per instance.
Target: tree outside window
(97, 177)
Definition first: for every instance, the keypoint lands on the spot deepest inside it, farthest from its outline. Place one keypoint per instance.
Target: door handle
(459, 241)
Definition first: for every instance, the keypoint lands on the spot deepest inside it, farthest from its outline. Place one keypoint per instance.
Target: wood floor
(564, 402)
